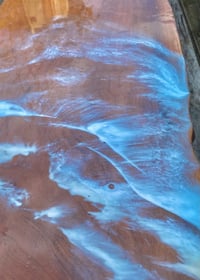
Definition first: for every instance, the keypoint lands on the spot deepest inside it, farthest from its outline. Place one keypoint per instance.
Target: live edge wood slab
(97, 176)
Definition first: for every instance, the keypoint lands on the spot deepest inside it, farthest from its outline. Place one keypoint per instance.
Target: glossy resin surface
(97, 175)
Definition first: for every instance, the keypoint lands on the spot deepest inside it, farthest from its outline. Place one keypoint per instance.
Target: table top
(97, 175)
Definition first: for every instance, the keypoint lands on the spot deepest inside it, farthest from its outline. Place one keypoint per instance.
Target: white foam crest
(8, 108)
(12, 194)
(184, 240)
(111, 255)
(69, 76)
(8, 150)
(8, 69)
(54, 214)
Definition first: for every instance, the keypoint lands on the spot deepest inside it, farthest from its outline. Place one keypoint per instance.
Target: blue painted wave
(127, 158)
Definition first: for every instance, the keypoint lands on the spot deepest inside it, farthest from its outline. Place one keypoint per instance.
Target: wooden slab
(97, 175)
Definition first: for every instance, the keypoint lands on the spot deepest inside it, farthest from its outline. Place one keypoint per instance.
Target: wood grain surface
(97, 176)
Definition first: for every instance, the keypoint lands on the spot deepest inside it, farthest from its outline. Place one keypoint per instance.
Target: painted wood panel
(97, 175)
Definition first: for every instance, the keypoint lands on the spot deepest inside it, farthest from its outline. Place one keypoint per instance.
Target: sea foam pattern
(126, 159)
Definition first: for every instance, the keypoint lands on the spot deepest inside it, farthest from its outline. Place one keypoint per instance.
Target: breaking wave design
(126, 160)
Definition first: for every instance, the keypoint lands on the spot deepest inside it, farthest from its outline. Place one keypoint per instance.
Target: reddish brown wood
(79, 108)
